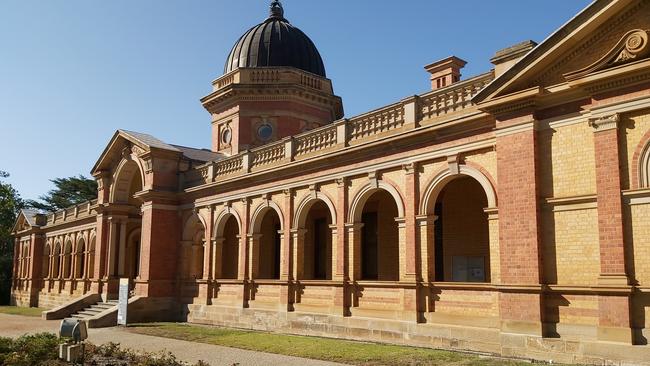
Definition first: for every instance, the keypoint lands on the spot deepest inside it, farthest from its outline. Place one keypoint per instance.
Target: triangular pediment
(26, 220)
(124, 143)
(595, 39)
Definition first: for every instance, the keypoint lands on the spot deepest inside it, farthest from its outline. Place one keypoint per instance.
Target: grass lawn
(16, 310)
(357, 353)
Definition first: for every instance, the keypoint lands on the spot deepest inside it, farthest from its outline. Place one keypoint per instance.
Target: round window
(265, 131)
(226, 136)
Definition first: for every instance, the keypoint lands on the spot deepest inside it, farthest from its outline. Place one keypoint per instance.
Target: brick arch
(356, 208)
(440, 180)
(122, 179)
(306, 204)
(641, 163)
(221, 220)
(258, 215)
(188, 230)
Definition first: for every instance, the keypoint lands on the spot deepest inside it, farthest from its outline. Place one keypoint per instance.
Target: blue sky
(74, 71)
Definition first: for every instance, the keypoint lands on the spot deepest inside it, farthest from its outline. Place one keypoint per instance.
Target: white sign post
(123, 301)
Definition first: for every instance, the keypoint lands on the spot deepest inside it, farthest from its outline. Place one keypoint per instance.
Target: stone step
(101, 307)
(88, 313)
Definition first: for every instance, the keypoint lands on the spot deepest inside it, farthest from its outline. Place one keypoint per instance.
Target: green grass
(357, 353)
(16, 310)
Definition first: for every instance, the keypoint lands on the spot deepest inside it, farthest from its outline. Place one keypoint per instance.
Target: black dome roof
(275, 42)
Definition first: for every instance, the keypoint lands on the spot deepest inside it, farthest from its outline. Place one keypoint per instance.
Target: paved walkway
(15, 325)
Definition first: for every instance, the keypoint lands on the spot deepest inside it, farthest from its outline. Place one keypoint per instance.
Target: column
(285, 237)
(298, 240)
(122, 250)
(208, 259)
(408, 272)
(112, 248)
(613, 311)
(354, 250)
(520, 300)
(339, 250)
(254, 255)
(217, 253)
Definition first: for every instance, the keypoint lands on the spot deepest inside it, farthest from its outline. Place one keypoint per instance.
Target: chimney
(505, 58)
(445, 72)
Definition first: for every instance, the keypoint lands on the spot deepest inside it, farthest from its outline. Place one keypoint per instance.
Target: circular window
(226, 136)
(265, 131)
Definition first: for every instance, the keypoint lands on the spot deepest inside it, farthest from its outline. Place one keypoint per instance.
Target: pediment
(124, 144)
(26, 220)
(606, 34)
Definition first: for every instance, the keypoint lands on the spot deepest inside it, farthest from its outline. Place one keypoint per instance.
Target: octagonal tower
(274, 86)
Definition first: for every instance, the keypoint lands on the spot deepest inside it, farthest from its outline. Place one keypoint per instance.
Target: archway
(126, 220)
(461, 233)
(228, 248)
(91, 258)
(379, 250)
(80, 260)
(56, 260)
(67, 260)
(132, 268)
(267, 226)
(313, 240)
(47, 257)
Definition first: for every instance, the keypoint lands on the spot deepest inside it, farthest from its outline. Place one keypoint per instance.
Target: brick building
(507, 212)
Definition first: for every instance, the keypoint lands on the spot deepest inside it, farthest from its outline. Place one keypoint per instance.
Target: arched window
(56, 261)
(91, 258)
(80, 263)
(45, 269)
(67, 260)
(644, 168)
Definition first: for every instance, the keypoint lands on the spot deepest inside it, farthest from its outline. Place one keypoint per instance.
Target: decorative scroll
(633, 46)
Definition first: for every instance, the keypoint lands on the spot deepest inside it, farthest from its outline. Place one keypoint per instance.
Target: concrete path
(15, 325)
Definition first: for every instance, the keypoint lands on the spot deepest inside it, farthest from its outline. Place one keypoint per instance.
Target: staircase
(94, 309)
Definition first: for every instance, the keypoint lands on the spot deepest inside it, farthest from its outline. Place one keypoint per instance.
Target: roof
(150, 141)
(203, 155)
(562, 39)
(30, 215)
(275, 43)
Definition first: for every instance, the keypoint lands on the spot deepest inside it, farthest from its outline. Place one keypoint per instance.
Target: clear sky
(74, 71)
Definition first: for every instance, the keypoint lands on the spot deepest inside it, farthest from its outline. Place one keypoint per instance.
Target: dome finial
(276, 10)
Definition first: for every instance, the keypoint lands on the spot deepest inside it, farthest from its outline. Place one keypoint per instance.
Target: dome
(275, 42)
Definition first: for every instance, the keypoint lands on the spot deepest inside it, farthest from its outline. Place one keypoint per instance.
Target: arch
(123, 178)
(132, 257)
(307, 202)
(91, 256)
(56, 260)
(644, 166)
(45, 269)
(222, 219)
(80, 254)
(356, 208)
(440, 180)
(189, 229)
(67, 259)
(258, 215)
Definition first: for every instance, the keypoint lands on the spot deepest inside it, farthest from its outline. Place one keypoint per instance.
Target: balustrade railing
(376, 122)
(316, 140)
(409, 113)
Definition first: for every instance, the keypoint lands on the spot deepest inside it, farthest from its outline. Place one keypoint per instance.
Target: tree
(68, 192)
(10, 204)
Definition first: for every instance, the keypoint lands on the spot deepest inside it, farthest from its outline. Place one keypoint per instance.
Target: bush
(29, 350)
(43, 349)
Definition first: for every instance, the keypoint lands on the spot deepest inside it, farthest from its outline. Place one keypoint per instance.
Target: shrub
(29, 350)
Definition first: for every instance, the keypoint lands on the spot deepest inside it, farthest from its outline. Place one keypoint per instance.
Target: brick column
(340, 247)
(520, 300)
(613, 311)
(411, 202)
(158, 249)
(101, 252)
(244, 269)
(285, 237)
(16, 262)
(208, 261)
(298, 240)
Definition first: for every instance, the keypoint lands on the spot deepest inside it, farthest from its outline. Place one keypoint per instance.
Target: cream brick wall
(639, 228)
(486, 159)
(428, 171)
(571, 247)
(567, 161)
